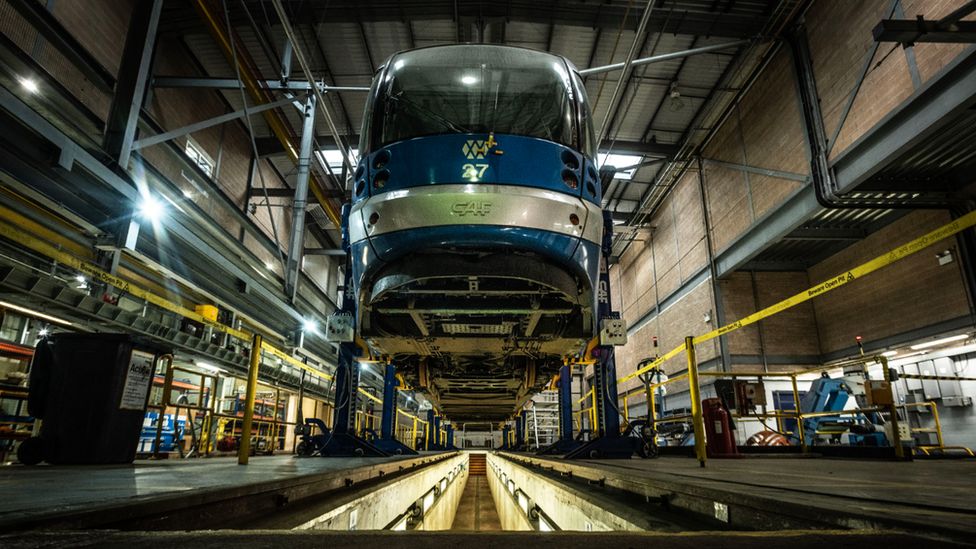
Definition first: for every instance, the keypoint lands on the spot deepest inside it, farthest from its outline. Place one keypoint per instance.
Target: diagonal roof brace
(666, 57)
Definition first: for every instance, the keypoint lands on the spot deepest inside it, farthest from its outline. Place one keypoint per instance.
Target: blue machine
(831, 395)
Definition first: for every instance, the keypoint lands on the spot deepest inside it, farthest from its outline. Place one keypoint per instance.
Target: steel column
(296, 241)
(130, 90)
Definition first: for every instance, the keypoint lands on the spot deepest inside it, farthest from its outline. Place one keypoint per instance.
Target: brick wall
(912, 293)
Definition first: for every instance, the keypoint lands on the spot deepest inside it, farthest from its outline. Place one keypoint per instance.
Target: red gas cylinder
(719, 441)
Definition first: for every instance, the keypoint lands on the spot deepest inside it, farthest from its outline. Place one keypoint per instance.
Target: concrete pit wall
(549, 504)
(389, 505)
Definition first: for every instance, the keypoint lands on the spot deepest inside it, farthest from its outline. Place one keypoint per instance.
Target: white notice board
(138, 377)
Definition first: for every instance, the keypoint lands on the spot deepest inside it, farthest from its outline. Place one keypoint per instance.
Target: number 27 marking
(473, 171)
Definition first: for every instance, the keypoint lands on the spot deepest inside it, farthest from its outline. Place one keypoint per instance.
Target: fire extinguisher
(719, 441)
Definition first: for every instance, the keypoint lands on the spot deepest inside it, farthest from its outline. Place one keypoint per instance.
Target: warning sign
(138, 377)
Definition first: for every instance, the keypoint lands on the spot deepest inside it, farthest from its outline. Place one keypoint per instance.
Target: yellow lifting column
(244, 448)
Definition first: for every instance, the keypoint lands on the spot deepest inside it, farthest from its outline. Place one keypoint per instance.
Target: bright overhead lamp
(469, 80)
(32, 312)
(29, 84)
(937, 342)
(310, 325)
(889, 353)
(151, 208)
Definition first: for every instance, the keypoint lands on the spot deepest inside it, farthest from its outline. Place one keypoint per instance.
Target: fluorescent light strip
(928, 344)
(32, 312)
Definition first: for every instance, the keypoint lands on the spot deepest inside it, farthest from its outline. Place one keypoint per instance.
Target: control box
(613, 331)
(340, 328)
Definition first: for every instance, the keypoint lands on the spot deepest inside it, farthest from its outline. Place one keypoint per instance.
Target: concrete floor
(807, 539)
(476, 510)
(47, 492)
(923, 496)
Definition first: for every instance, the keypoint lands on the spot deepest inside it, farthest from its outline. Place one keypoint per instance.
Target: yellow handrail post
(694, 391)
(893, 411)
(626, 414)
(799, 416)
(651, 411)
(244, 449)
(413, 439)
(938, 425)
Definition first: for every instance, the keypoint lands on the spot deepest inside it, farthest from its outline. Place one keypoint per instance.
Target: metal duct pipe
(249, 77)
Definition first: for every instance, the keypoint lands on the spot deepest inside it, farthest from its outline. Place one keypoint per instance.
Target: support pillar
(344, 441)
(296, 240)
(506, 430)
(519, 431)
(388, 441)
(608, 442)
(565, 443)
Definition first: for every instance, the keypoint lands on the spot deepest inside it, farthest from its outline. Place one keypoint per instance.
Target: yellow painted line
(901, 252)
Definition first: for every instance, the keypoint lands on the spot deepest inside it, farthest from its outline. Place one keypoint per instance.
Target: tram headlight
(570, 179)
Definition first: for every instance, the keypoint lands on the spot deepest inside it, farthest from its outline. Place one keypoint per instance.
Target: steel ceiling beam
(908, 31)
(234, 84)
(204, 124)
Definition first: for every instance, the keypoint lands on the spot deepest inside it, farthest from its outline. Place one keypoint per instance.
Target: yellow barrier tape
(660, 360)
(901, 252)
(28, 241)
(879, 262)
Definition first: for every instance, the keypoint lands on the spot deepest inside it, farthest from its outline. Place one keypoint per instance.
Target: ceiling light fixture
(151, 208)
(29, 84)
(676, 103)
(32, 312)
(937, 342)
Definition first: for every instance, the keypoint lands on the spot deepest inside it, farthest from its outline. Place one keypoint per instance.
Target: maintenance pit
(438, 497)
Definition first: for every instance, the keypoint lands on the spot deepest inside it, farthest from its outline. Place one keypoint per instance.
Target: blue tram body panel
(509, 164)
(460, 158)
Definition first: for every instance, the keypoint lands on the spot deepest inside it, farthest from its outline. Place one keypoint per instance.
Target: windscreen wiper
(457, 128)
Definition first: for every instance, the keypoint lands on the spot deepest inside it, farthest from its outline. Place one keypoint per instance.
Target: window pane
(477, 89)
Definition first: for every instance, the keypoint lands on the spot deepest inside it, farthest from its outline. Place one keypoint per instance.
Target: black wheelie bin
(91, 392)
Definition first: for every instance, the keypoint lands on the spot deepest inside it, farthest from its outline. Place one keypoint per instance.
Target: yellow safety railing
(927, 449)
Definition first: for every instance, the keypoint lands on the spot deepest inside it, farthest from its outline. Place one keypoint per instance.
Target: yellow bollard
(694, 391)
(244, 449)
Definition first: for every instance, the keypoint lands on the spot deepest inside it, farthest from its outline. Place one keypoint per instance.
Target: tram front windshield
(475, 89)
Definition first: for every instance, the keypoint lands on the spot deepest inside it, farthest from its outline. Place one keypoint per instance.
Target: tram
(475, 225)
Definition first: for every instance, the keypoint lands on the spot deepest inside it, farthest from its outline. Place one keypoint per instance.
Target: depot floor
(923, 496)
